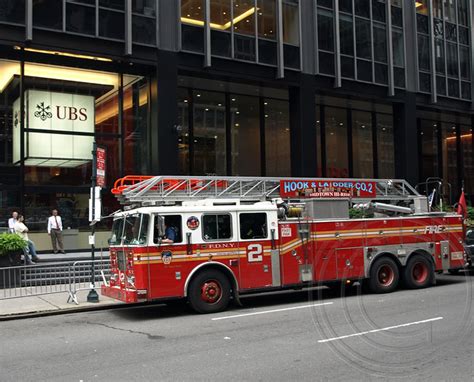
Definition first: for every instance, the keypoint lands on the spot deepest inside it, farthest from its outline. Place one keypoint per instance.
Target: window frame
(216, 214)
(253, 213)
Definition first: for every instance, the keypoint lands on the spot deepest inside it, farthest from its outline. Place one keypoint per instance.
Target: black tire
(418, 272)
(453, 271)
(209, 292)
(384, 276)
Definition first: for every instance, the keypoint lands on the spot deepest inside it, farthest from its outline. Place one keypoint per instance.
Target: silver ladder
(163, 189)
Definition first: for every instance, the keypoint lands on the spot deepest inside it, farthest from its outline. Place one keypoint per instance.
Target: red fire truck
(231, 236)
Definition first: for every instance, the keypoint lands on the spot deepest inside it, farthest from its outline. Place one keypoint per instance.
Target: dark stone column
(164, 112)
(406, 140)
(303, 127)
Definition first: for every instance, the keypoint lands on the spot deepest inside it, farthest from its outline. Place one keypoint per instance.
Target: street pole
(93, 296)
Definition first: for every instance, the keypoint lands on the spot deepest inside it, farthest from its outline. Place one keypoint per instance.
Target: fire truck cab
(212, 239)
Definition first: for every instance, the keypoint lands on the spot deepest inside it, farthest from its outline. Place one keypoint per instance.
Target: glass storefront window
(277, 138)
(337, 161)
(221, 25)
(429, 149)
(385, 146)
(66, 109)
(135, 127)
(449, 154)
(209, 133)
(245, 129)
(144, 7)
(468, 158)
(183, 136)
(362, 146)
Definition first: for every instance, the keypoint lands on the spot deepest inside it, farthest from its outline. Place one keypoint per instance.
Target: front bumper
(125, 295)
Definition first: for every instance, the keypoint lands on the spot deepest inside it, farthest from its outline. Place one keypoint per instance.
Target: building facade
(327, 88)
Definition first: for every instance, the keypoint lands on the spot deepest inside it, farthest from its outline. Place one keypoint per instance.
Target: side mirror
(160, 225)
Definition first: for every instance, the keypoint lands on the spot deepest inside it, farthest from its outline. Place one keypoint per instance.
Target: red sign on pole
(101, 154)
(327, 188)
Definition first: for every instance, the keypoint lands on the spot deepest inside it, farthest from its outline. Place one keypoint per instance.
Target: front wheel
(384, 276)
(418, 272)
(209, 292)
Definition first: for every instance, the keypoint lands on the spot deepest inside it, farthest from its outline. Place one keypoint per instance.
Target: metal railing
(58, 277)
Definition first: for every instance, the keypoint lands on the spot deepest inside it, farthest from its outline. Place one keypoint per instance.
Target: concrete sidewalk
(56, 303)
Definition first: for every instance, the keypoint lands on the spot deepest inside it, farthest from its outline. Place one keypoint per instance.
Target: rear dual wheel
(418, 272)
(209, 292)
(384, 276)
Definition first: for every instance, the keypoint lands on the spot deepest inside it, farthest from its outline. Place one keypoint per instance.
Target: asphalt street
(324, 334)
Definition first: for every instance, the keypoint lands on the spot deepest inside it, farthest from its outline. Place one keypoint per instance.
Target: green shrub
(11, 242)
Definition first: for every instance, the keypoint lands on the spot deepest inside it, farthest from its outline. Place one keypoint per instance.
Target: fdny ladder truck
(232, 236)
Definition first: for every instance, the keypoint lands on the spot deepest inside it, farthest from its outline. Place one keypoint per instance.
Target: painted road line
(271, 311)
(381, 329)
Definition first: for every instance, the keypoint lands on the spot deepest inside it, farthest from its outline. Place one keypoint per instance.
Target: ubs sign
(51, 119)
(60, 111)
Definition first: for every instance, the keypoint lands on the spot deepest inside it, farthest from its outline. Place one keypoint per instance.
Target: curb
(11, 317)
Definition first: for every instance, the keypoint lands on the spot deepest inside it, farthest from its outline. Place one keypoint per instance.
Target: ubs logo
(43, 112)
(70, 113)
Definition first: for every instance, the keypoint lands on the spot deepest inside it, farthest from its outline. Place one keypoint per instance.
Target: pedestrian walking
(22, 230)
(12, 221)
(55, 230)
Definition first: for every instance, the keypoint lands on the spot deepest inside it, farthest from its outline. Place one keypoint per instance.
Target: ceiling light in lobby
(223, 27)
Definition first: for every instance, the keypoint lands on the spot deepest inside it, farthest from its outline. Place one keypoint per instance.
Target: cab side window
(216, 227)
(253, 226)
(173, 226)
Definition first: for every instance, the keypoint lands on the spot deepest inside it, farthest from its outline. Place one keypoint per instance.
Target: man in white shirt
(22, 230)
(12, 221)
(55, 228)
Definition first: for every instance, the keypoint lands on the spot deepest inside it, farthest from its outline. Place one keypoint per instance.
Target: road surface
(322, 335)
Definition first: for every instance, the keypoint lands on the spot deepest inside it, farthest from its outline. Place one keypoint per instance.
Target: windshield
(131, 230)
(117, 229)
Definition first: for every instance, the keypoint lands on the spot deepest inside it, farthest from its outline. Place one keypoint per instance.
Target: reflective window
(80, 19)
(336, 142)
(144, 7)
(12, 11)
(266, 18)
(385, 146)
(245, 135)
(325, 30)
(244, 17)
(429, 149)
(48, 14)
(362, 145)
(192, 22)
(347, 35)
(291, 22)
(209, 133)
(449, 155)
(363, 39)
(253, 226)
(183, 132)
(144, 30)
(112, 24)
(277, 138)
(468, 157)
(216, 227)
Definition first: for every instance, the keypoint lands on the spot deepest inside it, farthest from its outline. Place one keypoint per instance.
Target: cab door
(257, 231)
